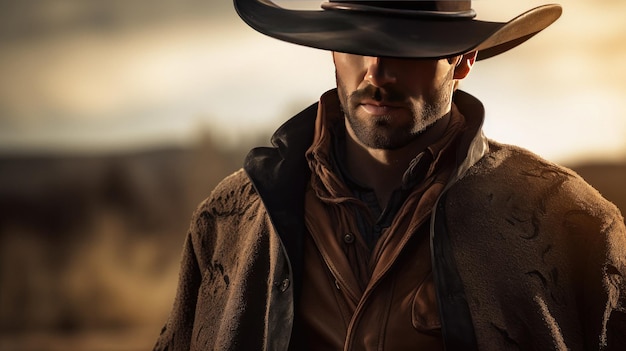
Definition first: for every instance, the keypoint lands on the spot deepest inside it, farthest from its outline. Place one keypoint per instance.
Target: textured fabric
(555, 254)
(233, 277)
(540, 254)
(339, 294)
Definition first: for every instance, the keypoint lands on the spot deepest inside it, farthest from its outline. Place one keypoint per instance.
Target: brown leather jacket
(525, 254)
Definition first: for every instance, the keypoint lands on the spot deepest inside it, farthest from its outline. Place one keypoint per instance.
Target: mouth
(379, 108)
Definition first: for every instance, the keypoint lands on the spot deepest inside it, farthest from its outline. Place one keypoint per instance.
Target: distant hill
(92, 243)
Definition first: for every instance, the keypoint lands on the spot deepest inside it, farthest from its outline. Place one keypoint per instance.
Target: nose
(378, 71)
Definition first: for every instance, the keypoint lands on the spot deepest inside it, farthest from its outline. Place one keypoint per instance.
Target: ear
(464, 66)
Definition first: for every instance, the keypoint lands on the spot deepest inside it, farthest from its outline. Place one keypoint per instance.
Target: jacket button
(348, 238)
(284, 285)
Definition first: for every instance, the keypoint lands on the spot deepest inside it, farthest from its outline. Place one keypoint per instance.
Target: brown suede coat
(538, 255)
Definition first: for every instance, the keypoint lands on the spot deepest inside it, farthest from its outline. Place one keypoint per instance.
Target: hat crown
(441, 9)
(415, 5)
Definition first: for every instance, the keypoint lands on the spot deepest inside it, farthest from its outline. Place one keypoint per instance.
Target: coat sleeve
(176, 334)
(199, 303)
(597, 236)
(556, 251)
(615, 281)
(596, 249)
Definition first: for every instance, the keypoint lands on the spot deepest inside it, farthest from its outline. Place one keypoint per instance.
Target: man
(383, 219)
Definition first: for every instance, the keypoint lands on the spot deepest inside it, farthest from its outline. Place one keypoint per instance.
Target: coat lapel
(280, 174)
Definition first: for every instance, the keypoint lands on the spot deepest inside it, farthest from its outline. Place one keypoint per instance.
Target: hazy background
(118, 117)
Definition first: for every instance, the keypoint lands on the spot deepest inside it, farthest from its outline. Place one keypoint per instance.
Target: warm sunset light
(118, 117)
(125, 86)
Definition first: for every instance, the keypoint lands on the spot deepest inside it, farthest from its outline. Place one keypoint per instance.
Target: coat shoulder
(515, 171)
(232, 200)
(543, 231)
(232, 195)
(510, 160)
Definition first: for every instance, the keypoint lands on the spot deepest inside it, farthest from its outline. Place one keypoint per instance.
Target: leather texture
(543, 268)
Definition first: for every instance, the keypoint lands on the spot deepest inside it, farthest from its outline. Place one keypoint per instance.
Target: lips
(378, 107)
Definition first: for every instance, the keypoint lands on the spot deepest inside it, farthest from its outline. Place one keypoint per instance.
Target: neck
(381, 169)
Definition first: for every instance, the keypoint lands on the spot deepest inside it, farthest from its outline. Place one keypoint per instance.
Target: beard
(379, 132)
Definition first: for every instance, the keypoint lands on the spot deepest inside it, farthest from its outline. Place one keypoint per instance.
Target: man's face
(388, 102)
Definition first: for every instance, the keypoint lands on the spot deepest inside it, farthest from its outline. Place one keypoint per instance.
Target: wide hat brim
(384, 35)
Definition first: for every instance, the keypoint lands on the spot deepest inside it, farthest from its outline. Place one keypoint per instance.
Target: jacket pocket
(425, 313)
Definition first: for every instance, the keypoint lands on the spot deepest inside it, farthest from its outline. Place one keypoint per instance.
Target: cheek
(444, 75)
(343, 94)
(347, 71)
(428, 76)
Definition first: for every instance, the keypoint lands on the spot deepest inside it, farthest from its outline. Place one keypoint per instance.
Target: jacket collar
(473, 145)
(280, 173)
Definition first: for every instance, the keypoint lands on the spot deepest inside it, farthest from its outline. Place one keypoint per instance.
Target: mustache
(389, 95)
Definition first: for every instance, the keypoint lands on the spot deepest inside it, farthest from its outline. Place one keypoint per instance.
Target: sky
(176, 78)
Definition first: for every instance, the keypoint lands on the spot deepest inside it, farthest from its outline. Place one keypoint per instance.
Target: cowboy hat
(400, 28)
